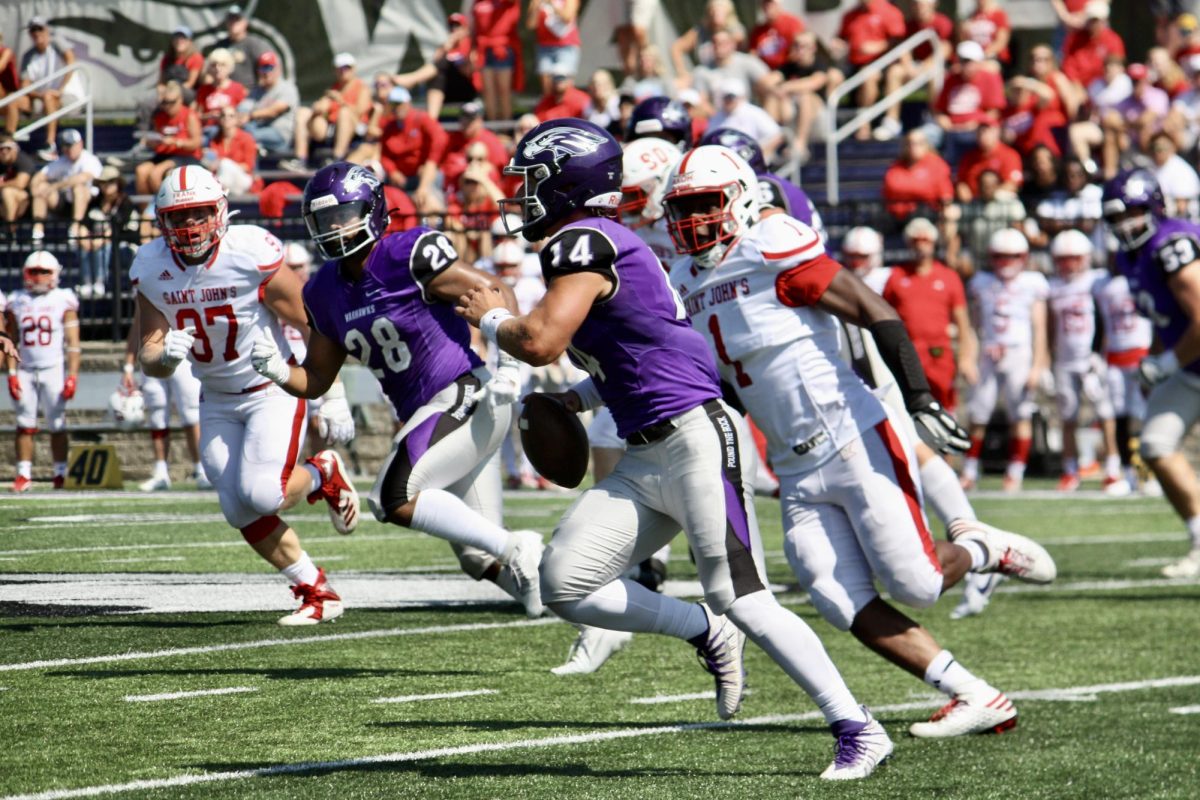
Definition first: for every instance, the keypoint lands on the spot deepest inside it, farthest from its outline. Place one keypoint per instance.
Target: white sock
(441, 514)
(1193, 526)
(315, 474)
(303, 571)
(627, 606)
(977, 551)
(60, 469)
(946, 675)
(1112, 466)
(161, 470)
(944, 493)
(971, 469)
(25, 469)
(1016, 470)
(794, 646)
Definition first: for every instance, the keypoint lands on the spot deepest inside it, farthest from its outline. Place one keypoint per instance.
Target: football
(554, 439)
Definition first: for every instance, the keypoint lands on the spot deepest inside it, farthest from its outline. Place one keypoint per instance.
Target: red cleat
(336, 490)
(60, 481)
(1068, 483)
(22, 484)
(318, 603)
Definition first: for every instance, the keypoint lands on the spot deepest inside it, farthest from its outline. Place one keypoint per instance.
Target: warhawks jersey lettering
(414, 344)
(1127, 334)
(777, 349)
(1074, 310)
(646, 361)
(1005, 308)
(40, 326)
(221, 300)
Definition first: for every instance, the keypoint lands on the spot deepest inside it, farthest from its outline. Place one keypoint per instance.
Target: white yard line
(1185, 710)
(1149, 562)
(379, 633)
(416, 698)
(660, 699)
(1093, 586)
(186, 545)
(152, 698)
(525, 744)
(142, 560)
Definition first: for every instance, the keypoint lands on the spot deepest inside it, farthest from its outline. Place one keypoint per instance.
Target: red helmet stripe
(183, 179)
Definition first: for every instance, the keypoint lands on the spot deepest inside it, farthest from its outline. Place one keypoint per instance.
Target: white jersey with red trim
(782, 359)
(40, 328)
(1125, 330)
(221, 300)
(1004, 309)
(658, 239)
(1074, 311)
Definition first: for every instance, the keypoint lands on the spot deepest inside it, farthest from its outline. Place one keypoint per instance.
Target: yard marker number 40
(93, 466)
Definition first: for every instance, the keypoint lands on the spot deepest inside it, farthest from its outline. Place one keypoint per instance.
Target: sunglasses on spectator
(477, 158)
(267, 68)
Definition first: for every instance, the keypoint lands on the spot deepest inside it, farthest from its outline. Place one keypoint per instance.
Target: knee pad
(264, 495)
(916, 588)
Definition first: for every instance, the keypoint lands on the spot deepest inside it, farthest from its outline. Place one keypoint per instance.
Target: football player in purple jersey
(1159, 257)
(609, 305)
(389, 303)
(773, 190)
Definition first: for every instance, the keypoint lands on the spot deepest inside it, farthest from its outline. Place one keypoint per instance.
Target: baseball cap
(399, 94)
(268, 59)
(344, 60)
(1187, 22)
(109, 173)
(732, 87)
(921, 228)
(36, 22)
(508, 252)
(1137, 72)
(689, 97)
(969, 51)
(561, 71)
(182, 30)
(69, 137)
(472, 109)
(234, 12)
(457, 19)
(1096, 9)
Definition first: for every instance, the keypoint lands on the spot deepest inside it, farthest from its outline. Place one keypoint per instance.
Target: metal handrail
(85, 103)
(927, 74)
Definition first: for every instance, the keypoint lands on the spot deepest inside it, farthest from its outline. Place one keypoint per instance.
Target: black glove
(937, 428)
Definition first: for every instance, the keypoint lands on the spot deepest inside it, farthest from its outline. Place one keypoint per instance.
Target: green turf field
(1104, 667)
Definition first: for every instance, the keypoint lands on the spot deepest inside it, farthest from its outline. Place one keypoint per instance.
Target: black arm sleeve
(897, 351)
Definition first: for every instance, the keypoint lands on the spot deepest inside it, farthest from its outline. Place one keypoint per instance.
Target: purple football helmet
(1132, 204)
(661, 117)
(344, 209)
(566, 165)
(740, 143)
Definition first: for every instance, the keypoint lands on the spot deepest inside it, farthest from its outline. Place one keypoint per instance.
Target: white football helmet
(646, 166)
(711, 200)
(1008, 251)
(1072, 252)
(862, 250)
(40, 272)
(191, 187)
(298, 258)
(128, 409)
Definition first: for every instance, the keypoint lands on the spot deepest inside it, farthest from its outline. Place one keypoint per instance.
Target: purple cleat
(860, 748)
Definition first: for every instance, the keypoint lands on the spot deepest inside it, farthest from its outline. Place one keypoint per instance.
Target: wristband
(489, 324)
(127, 369)
(589, 395)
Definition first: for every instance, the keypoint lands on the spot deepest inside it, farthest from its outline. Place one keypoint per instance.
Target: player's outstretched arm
(311, 379)
(156, 359)
(458, 279)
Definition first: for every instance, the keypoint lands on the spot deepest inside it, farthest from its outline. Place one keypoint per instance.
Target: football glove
(69, 386)
(269, 362)
(938, 429)
(1155, 369)
(176, 346)
(335, 423)
(505, 386)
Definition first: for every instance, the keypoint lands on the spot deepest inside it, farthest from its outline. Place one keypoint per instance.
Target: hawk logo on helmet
(563, 142)
(358, 176)
(1136, 187)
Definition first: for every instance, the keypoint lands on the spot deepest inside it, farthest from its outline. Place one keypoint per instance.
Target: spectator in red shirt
(918, 178)
(1045, 101)
(929, 297)
(218, 91)
(494, 30)
(473, 130)
(989, 26)
(176, 140)
(232, 154)
(183, 61)
(971, 95)
(868, 31)
(1086, 50)
(412, 148)
(925, 16)
(449, 75)
(563, 99)
(993, 155)
(771, 38)
(558, 42)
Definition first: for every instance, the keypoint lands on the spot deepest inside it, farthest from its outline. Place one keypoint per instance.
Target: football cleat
(1008, 553)
(202, 481)
(1186, 567)
(980, 710)
(1151, 488)
(318, 603)
(1068, 483)
(591, 648)
(523, 562)
(1117, 487)
(977, 593)
(721, 656)
(59, 482)
(157, 483)
(1010, 485)
(336, 490)
(22, 484)
(859, 747)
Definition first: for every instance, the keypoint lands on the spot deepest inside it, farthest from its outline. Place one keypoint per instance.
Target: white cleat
(202, 481)
(981, 710)
(860, 747)
(977, 593)
(1151, 488)
(1008, 553)
(318, 603)
(1118, 488)
(1186, 567)
(159, 483)
(721, 656)
(523, 562)
(591, 648)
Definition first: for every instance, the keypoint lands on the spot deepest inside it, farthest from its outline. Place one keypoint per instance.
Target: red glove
(14, 387)
(69, 387)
